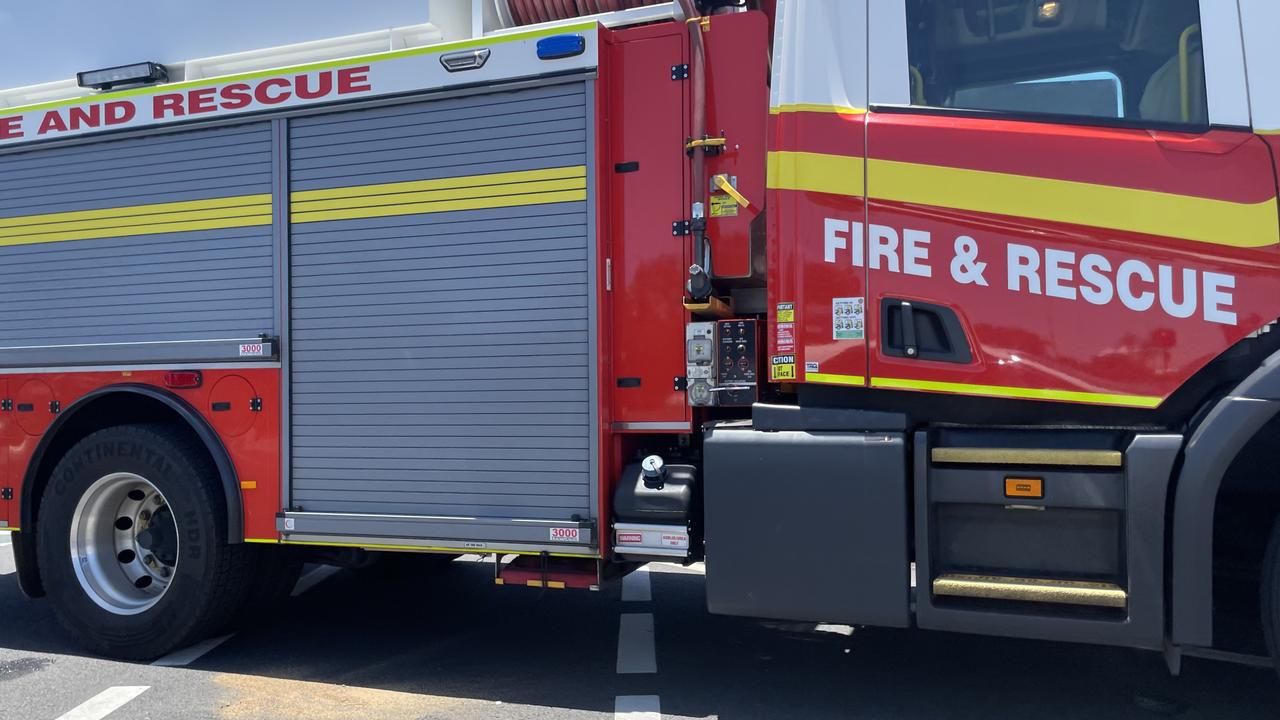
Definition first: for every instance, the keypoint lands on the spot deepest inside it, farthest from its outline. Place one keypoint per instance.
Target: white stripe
(7, 564)
(636, 652)
(637, 707)
(188, 655)
(105, 703)
(635, 587)
(313, 578)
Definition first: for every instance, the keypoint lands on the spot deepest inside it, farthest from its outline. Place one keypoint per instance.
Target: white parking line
(105, 703)
(313, 578)
(637, 707)
(635, 587)
(636, 652)
(676, 569)
(7, 565)
(188, 655)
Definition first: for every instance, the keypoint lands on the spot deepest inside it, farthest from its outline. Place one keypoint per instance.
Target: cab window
(1135, 62)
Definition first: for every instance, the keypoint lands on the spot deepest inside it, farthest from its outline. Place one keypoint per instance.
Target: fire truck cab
(952, 314)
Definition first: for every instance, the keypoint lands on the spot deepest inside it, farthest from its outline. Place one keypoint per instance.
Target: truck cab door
(816, 199)
(1065, 205)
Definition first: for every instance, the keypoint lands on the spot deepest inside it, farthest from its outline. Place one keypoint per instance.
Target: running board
(1060, 592)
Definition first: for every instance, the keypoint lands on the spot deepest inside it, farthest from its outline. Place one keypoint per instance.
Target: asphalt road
(450, 644)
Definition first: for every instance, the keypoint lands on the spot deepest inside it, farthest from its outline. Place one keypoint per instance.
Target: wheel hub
(124, 543)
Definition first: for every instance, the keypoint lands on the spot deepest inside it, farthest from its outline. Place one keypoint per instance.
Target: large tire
(1270, 600)
(100, 499)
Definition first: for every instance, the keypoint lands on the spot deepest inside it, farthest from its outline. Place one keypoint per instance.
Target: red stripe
(1220, 165)
(818, 132)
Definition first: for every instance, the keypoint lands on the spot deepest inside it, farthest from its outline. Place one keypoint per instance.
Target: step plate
(1061, 592)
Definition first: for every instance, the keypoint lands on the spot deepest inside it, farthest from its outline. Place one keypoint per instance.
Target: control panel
(723, 362)
(737, 362)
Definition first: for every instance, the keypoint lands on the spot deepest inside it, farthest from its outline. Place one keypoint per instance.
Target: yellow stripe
(213, 214)
(813, 107)
(1142, 211)
(10, 529)
(470, 192)
(113, 227)
(1268, 132)
(573, 171)
(487, 41)
(446, 206)
(430, 196)
(134, 210)
(478, 551)
(815, 172)
(263, 541)
(835, 379)
(1138, 401)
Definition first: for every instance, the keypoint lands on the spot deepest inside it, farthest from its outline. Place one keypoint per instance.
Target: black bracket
(680, 383)
(680, 72)
(55, 407)
(681, 227)
(6, 405)
(256, 404)
(6, 494)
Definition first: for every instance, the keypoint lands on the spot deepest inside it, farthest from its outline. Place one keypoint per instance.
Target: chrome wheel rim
(124, 543)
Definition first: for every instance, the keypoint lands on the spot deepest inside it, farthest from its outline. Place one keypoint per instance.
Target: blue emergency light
(561, 46)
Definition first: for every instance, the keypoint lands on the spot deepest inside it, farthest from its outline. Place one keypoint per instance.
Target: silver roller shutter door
(150, 239)
(441, 354)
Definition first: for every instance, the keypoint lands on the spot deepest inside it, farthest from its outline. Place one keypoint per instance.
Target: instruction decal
(723, 206)
(782, 367)
(847, 319)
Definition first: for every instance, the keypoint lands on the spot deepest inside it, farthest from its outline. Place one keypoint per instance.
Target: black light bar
(135, 74)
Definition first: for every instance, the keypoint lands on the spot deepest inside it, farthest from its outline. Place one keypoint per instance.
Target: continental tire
(132, 543)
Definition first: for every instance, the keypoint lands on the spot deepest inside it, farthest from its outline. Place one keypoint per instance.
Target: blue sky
(43, 40)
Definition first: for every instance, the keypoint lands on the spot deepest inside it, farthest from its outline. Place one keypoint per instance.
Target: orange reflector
(1024, 488)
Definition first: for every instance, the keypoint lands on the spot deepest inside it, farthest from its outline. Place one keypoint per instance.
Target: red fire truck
(951, 314)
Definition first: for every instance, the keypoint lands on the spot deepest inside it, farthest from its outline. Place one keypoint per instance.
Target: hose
(528, 12)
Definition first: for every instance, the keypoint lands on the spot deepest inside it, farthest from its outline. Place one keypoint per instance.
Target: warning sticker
(723, 206)
(786, 312)
(811, 367)
(785, 335)
(782, 367)
(847, 321)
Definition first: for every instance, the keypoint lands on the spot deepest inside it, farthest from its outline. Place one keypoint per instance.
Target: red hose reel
(527, 12)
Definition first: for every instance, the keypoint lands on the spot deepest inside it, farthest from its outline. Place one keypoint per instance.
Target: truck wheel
(1271, 596)
(132, 543)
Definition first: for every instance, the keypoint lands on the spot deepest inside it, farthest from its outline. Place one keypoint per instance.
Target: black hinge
(6, 405)
(256, 404)
(6, 494)
(680, 227)
(55, 407)
(680, 72)
(680, 383)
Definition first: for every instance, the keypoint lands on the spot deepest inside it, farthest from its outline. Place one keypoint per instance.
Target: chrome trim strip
(1028, 456)
(213, 365)
(651, 426)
